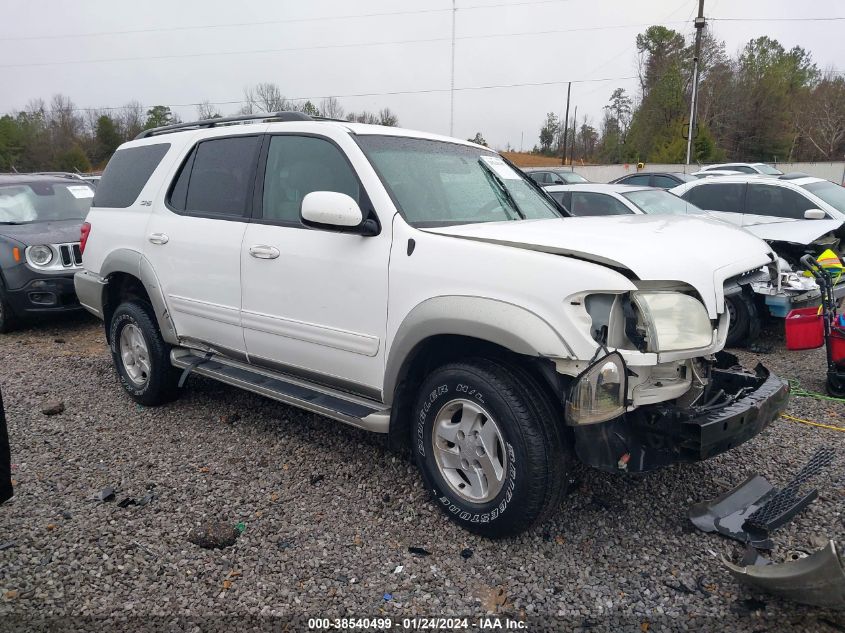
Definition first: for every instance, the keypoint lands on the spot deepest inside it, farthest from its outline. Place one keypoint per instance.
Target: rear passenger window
(217, 177)
(717, 197)
(664, 182)
(127, 173)
(298, 165)
(587, 204)
(540, 177)
(640, 179)
(777, 201)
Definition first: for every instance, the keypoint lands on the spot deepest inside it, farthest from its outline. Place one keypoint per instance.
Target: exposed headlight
(673, 321)
(598, 394)
(40, 255)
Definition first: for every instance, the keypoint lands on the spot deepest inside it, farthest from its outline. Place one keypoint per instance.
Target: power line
(378, 94)
(324, 46)
(333, 18)
(821, 19)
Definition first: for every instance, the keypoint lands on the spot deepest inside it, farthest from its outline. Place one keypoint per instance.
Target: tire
(142, 364)
(836, 385)
(522, 478)
(744, 327)
(8, 319)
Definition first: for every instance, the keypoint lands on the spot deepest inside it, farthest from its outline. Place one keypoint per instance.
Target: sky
(105, 53)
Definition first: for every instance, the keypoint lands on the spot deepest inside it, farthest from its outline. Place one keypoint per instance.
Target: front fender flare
(505, 324)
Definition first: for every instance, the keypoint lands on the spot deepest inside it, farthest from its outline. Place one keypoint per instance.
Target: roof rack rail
(196, 125)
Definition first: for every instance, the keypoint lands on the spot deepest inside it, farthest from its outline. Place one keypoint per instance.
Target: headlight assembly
(598, 394)
(39, 255)
(673, 321)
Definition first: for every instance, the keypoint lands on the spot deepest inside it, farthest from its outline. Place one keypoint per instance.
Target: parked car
(662, 179)
(546, 176)
(747, 299)
(797, 215)
(419, 286)
(746, 168)
(40, 220)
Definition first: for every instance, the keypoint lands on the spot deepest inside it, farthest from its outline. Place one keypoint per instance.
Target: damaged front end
(724, 406)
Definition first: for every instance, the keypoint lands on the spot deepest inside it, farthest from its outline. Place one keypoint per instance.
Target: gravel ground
(328, 515)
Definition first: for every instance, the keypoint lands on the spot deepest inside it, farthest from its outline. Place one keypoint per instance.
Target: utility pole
(699, 26)
(452, 90)
(565, 124)
(574, 138)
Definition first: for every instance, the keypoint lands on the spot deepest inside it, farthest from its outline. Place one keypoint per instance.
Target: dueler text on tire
(141, 356)
(489, 447)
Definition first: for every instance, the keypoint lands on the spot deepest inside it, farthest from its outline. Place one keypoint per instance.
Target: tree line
(766, 103)
(58, 136)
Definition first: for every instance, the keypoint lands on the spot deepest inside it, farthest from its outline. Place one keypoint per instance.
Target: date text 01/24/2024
(485, 623)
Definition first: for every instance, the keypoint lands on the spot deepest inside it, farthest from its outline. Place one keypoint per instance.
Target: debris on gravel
(214, 535)
(54, 407)
(620, 548)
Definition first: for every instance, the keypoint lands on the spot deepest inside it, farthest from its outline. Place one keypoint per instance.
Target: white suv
(421, 286)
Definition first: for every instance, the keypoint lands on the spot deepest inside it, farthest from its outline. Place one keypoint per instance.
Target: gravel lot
(328, 516)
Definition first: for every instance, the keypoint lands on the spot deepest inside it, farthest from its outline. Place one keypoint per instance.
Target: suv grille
(71, 255)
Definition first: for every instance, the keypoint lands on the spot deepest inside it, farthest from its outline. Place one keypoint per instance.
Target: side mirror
(330, 209)
(814, 214)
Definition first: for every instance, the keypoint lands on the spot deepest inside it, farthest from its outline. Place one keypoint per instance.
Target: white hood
(700, 252)
(787, 230)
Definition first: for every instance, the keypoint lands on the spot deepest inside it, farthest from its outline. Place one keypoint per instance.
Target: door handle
(158, 238)
(262, 251)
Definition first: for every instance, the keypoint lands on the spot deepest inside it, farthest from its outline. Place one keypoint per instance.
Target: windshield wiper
(492, 175)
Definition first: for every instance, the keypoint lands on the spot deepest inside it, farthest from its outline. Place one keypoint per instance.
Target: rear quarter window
(127, 173)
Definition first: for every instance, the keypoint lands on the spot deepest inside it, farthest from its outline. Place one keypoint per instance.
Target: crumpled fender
(816, 580)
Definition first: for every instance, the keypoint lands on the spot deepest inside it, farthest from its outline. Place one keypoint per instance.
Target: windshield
(44, 201)
(768, 170)
(830, 192)
(661, 202)
(435, 183)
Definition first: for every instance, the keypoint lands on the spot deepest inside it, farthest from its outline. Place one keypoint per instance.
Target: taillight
(83, 236)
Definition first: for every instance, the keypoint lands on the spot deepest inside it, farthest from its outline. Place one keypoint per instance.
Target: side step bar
(361, 412)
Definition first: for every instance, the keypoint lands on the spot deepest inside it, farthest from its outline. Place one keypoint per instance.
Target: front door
(314, 301)
(194, 240)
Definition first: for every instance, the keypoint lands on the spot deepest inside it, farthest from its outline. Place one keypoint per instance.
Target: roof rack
(245, 118)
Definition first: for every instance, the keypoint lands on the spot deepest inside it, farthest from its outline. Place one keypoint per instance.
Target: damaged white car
(421, 287)
(768, 289)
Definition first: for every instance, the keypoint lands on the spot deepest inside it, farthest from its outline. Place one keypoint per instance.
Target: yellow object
(810, 423)
(830, 262)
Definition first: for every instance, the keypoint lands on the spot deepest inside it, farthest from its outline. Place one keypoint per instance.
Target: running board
(360, 412)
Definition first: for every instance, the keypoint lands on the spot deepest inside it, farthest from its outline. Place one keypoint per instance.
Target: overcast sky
(499, 42)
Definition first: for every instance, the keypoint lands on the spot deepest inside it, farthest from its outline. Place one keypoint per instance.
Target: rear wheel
(836, 385)
(489, 447)
(141, 356)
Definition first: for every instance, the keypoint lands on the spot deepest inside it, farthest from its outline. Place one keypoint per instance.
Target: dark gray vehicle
(40, 222)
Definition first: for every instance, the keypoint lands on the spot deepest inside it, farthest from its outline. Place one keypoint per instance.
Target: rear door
(725, 200)
(194, 239)
(314, 300)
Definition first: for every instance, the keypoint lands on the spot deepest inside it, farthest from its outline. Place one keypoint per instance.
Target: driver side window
(297, 166)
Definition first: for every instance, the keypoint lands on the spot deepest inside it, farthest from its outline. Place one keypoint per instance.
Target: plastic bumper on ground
(45, 295)
(655, 436)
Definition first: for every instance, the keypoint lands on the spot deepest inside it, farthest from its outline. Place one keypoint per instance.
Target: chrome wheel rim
(135, 355)
(469, 450)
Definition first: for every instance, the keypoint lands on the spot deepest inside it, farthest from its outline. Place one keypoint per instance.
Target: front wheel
(489, 446)
(836, 384)
(141, 356)
(744, 326)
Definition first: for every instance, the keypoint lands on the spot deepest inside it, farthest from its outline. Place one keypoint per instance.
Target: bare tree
(206, 110)
(131, 119)
(265, 97)
(388, 118)
(821, 119)
(331, 109)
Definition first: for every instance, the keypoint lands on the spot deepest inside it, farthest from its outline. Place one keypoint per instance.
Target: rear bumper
(45, 295)
(659, 435)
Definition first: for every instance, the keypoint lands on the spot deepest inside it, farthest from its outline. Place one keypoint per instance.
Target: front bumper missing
(659, 435)
(816, 580)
